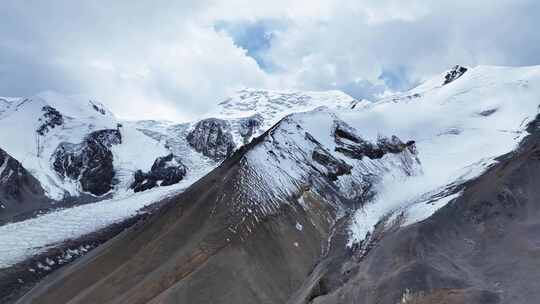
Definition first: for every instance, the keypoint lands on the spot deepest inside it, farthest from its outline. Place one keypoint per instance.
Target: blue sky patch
(397, 79)
(253, 36)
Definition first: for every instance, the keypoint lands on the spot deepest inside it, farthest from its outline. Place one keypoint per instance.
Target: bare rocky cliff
(19, 191)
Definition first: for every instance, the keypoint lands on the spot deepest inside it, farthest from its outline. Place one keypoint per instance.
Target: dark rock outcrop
(212, 137)
(334, 167)
(19, 190)
(50, 119)
(165, 171)
(488, 112)
(355, 147)
(97, 108)
(249, 125)
(90, 162)
(456, 72)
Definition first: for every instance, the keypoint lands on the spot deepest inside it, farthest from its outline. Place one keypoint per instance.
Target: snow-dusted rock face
(51, 118)
(17, 186)
(37, 127)
(267, 107)
(459, 130)
(20, 192)
(456, 72)
(353, 146)
(165, 171)
(212, 137)
(273, 201)
(461, 254)
(73, 145)
(249, 126)
(272, 105)
(301, 155)
(334, 167)
(246, 115)
(89, 163)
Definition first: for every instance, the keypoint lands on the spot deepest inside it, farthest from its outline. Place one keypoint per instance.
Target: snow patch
(421, 211)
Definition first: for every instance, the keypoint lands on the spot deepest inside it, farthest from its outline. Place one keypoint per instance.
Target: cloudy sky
(177, 59)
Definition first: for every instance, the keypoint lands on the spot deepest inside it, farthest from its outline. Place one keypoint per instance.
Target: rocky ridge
(18, 188)
(89, 163)
(165, 171)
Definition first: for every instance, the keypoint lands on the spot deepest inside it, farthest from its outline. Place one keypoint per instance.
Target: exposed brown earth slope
(484, 247)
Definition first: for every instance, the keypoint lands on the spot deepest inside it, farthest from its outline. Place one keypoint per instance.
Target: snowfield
(459, 129)
(273, 105)
(22, 240)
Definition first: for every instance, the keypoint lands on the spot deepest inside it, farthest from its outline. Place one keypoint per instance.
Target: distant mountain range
(426, 196)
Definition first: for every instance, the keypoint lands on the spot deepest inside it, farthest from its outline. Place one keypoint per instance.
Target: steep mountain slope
(223, 225)
(459, 129)
(74, 147)
(341, 206)
(480, 248)
(65, 142)
(325, 206)
(17, 186)
(136, 164)
(84, 148)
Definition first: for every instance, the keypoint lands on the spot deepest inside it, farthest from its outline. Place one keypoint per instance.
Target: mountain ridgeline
(427, 196)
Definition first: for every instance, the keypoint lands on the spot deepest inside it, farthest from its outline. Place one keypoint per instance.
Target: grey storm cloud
(177, 59)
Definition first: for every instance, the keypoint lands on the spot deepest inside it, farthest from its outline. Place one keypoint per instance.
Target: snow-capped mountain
(80, 152)
(312, 152)
(286, 197)
(72, 145)
(459, 127)
(273, 105)
(351, 202)
(250, 112)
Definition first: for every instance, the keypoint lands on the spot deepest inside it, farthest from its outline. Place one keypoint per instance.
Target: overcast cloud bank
(155, 59)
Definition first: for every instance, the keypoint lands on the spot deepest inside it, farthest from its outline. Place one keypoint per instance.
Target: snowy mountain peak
(76, 106)
(308, 154)
(324, 173)
(456, 72)
(249, 113)
(273, 105)
(73, 144)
